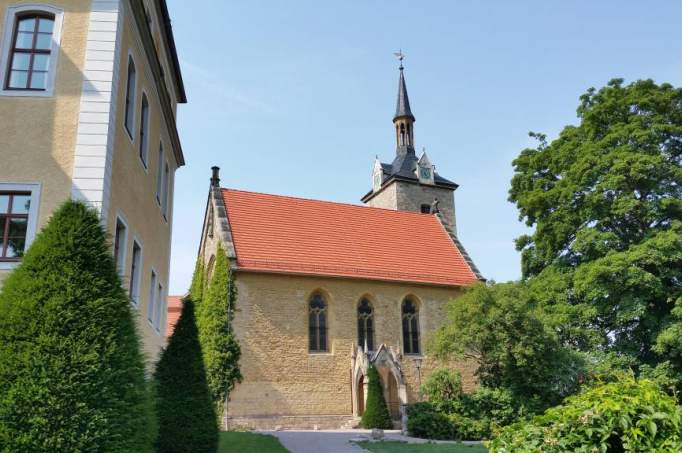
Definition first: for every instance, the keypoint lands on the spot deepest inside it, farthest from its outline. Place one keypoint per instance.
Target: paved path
(333, 441)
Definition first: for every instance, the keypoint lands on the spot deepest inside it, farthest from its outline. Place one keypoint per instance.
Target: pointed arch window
(402, 134)
(317, 324)
(410, 314)
(366, 324)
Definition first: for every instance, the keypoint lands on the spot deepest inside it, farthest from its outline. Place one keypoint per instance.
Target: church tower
(410, 183)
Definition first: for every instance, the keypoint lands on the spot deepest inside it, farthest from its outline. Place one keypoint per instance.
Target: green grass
(402, 447)
(245, 442)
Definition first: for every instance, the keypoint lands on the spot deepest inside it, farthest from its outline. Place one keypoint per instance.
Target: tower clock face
(425, 172)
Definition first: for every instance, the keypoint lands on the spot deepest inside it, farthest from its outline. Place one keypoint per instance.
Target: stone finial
(434, 206)
(215, 177)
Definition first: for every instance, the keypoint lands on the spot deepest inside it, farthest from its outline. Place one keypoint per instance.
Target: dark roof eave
(172, 51)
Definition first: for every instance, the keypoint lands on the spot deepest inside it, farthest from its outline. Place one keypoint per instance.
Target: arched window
(402, 134)
(317, 324)
(29, 62)
(366, 324)
(410, 327)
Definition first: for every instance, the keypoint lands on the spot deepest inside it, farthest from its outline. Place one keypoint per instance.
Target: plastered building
(88, 96)
(327, 289)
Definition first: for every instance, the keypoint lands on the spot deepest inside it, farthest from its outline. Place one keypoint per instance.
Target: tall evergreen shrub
(218, 342)
(187, 422)
(376, 412)
(71, 372)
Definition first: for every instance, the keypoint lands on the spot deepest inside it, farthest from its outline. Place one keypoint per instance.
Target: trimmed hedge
(376, 412)
(72, 377)
(187, 422)
(627, 415)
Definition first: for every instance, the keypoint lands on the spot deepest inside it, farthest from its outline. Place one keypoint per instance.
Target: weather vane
(400, 56)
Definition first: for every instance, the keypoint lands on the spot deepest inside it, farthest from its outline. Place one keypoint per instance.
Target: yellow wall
(271, 323)
(133, 190)
(38, 134)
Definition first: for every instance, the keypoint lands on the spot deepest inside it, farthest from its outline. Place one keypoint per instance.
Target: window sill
(9, 265)
(27, 93)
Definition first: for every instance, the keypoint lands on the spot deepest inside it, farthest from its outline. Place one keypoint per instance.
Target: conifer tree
(187, 421)
(218, 343)
(71, 372)
(376, 412)
(196, 291)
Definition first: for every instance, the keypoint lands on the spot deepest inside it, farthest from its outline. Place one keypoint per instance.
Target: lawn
(245, 442)
(402, 447)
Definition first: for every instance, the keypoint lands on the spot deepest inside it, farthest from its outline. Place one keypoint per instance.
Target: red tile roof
(273, 233)
(174, 308)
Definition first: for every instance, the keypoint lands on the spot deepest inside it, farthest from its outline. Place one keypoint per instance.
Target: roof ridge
(352, 205)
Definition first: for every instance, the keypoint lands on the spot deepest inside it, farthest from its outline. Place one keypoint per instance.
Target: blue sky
(297, 97)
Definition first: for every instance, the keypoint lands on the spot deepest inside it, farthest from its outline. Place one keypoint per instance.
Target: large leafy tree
(72, 376)
(218, 342)
(605, 201)
(187, 421)
(496, 326)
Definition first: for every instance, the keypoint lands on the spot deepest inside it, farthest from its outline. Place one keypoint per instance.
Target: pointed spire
(402, 109)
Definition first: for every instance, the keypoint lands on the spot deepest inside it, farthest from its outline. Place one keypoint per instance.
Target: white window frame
(34, 188)
(137, 278)
(158, 309)
(6, 49)
(165, 195)
(122, 248)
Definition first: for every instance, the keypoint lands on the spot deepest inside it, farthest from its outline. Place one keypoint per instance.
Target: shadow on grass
(246, 442)
(403, 447)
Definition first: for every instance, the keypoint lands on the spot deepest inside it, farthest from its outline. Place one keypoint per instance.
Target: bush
(71, 373)
(376, 412)
(442, 387)
(471, 416)
(426, 421)
(187, 422)
(626, 415)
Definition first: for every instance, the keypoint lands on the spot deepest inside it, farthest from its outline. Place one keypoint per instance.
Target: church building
(327, 289)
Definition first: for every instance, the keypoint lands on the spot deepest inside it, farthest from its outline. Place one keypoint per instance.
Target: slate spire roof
(402, 108)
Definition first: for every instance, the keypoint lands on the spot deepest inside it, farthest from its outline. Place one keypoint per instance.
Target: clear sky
(297, 97)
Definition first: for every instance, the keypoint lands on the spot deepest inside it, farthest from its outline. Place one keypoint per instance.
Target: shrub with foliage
(443, 386)
(497, 327)
(626, 415)
(72, 376)
(425, 420)
(218, 342)
(196, 291)
(187, 421)
(376, 412)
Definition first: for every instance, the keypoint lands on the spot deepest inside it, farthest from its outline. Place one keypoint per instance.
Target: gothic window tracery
(317, 324)
(410, 315)
(366, 324)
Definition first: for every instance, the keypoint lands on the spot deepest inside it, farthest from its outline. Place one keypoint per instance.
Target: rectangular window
(135, 270)
(166, 185)
(14, 213)
(152, 298)
(159, 175)
(130, 98)
(29, 61)
(120, 240)
(144, 131)
(158, 308)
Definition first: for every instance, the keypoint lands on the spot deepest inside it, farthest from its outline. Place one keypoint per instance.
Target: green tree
(71, 372)
(187, 421)
(605, 201)
(442, 386)
(495, 326)
(376, 412)
(218, 342)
